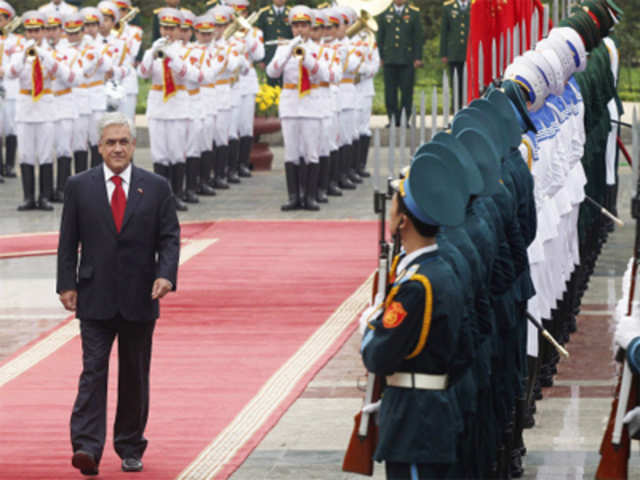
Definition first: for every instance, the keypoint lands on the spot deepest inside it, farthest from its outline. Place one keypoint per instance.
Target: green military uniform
(274, 25)
(400, 40)
(454, 33)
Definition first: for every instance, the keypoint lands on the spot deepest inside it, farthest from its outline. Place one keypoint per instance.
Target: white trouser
(222, 125)
(94, 135)
(348, 127)
(325, 132)
(9, 117)
(128, 106)
(80, 141)
(234, 122)
(36, 142)
(301, 139)
(208, 131)
(64, 137)
(364, 116)
(334, 133)
(167, 140)
(247, 112)
(195, 137)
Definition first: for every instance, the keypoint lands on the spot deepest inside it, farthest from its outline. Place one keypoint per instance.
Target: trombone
(120, 24)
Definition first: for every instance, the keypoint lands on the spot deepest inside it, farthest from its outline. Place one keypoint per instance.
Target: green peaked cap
(504, 108)
(475, 119)
(463, 156)
(477, 142)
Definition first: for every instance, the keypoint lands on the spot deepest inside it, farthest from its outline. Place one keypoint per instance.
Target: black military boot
(344, 183)
(354, 158)
(96, 158)
(177, 181)
(334, 175)
(11, 143)
(220, 167)
(2, 165)
(28, 187)
(365, 141)
(302, 181)
(206, 164)
(80, 159)
(162, 170)
(234, 161)
(193, 170)
(64, 172)
(291, 172)
(313, 175)
(323, 180)
(46, 187)
(244, 169)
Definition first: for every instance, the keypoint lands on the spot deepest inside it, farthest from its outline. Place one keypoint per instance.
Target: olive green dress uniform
(273, 26)
(400, 40)
(454, 32)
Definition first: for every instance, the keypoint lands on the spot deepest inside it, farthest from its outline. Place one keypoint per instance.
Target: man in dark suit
(124, 220)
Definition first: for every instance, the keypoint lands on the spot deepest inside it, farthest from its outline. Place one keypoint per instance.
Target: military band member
(10, 44)
(132, 36)
(155, 32)
(58, 7)
(411, 337)
(273, 21)
(454, 32)
(35, 66)
(400, 41)
(298, 63)
(167, 104)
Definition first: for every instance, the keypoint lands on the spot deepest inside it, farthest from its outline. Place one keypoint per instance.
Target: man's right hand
(445, 60)
(69, 299)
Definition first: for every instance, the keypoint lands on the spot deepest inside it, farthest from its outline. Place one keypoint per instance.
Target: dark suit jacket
(117, 270)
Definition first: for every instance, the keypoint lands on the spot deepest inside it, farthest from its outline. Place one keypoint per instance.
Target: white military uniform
(131, 35)
(11, 44)
(62, 8)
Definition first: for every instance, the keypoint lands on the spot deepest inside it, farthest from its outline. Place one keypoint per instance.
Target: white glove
(632, 420)
(309, 62)
(372, 407)
(295, 42)
(158, 44)
(367, 314)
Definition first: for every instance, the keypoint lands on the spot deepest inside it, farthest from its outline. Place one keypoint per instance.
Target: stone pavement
(309, 440)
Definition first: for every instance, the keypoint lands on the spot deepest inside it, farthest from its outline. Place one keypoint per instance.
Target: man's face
(316, 33)
(279, 3)
(33, 34)
(341, 30)
(204, 37)
(107, 25)
(53, 34)
(186, 34)
(3, 20)
(91, 29)
(399, 3)
(170, 33)
(74, 37)
(301, 29)
(116, 147)
(329, 31)
(219, 30)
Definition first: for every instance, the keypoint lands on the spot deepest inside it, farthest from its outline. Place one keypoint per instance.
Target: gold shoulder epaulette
(448, 2)
(157, 10)
(414, 8)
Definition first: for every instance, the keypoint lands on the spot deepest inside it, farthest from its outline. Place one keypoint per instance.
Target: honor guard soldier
(273, 20)
(454, 32)
(252, 45)
(155, 32)
(297, 61)
(34, 66)
(9, 45)
(65, 108)
(167, 103)
(132, 36)
(400, 41)
(411, 337)
(57, 7)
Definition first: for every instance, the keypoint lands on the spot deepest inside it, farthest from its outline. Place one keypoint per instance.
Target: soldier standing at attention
(273, 20)
(400, 41)
(453, 37)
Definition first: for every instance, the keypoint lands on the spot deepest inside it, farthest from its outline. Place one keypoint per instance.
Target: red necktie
(118, 202)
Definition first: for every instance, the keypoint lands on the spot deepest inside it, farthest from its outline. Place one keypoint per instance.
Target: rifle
(358, 457)
(616, 443)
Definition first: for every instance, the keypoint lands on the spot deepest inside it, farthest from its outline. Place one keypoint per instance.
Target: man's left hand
(417, 63)
(161, 287)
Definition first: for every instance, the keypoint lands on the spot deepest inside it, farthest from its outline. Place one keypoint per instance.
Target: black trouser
(456, 67)
(89, 417)
(421, 471)
(398, 77)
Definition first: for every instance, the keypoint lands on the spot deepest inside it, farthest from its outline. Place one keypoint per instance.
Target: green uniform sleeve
(444, 30)
(418, 37)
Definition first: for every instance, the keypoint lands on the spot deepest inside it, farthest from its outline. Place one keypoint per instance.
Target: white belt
(421, 381)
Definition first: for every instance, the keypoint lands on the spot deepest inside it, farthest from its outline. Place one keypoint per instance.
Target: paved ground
(309, 440)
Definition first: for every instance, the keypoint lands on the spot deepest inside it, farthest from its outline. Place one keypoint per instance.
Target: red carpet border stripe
(259, 410)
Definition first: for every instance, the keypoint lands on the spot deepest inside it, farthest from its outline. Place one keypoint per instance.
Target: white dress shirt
(126, 181)
(404, 263)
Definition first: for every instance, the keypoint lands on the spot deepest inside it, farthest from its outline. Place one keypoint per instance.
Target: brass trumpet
(120, 24)
(298, 52)
(239, 24)
(159, 54)
(32, 52)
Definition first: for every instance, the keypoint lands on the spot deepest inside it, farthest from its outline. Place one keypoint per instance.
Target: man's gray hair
(115, 118)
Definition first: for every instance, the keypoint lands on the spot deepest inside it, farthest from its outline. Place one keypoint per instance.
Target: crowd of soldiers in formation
(201, 102)
(534, 239)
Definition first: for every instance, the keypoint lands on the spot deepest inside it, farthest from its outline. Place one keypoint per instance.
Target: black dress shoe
(131, 465)
(85, 462)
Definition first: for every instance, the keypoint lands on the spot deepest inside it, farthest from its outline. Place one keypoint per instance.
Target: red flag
(304, 81)
(37, 78)
(482, 28)
(168, 85)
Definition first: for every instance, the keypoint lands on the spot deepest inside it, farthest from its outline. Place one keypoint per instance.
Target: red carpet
(37, 244)
(246, 304)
